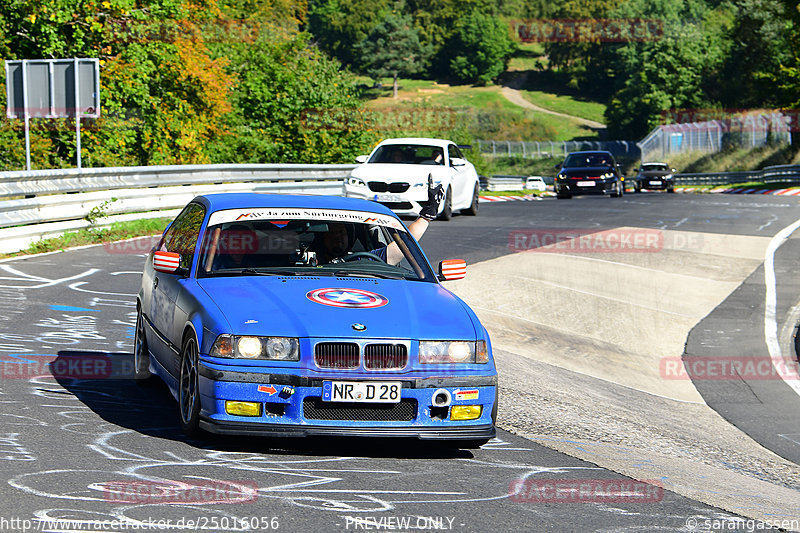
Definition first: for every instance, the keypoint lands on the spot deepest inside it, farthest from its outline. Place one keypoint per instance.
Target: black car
(593, 172)
(654, 176)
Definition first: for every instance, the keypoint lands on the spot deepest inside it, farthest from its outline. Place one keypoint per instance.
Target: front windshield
(587, 160)
(414, 154)
(653, 167)
(310, 242)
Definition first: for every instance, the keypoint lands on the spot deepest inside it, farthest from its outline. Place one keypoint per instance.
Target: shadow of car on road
(103, 381)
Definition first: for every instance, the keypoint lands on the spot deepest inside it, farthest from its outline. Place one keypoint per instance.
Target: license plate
(585, 184)
(389, 198)
(655, 182)
(361, 392)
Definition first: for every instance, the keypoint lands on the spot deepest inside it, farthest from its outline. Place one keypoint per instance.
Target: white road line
(771, 304)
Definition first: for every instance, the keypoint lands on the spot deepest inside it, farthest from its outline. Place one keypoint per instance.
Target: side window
(455, 152)
(183, 233)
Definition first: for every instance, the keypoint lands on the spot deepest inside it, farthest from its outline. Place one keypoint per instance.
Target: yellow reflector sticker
(243, 408)
(465, 412)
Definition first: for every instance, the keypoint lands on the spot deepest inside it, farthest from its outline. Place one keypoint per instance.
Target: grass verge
(482, 112)
(117, 231)
(567, 104)
(735, 159)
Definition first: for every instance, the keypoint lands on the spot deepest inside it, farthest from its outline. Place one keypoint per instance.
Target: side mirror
(674, 171)
(362, 158)
(451, 269)
(457, 162)
(557, 166)
(166, 262)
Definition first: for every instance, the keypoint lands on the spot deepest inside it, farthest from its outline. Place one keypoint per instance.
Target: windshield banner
(286, 214)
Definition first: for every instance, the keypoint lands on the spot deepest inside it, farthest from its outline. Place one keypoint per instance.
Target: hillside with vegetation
(227, 81)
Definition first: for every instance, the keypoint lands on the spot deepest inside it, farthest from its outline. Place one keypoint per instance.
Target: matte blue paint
(274, 306)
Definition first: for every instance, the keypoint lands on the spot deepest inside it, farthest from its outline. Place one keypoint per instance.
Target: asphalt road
(66, 443)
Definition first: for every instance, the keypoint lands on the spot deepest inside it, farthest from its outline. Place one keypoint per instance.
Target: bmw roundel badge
(359, 327)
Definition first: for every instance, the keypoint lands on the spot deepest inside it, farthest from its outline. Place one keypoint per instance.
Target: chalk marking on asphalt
(771, 304)
(791, 437)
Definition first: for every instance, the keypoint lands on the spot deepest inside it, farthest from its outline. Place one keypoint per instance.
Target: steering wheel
(366, 255)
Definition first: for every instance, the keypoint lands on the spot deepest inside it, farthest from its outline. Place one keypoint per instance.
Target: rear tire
(472, 210)
(447, 212)
(671, 190)
(561, 196)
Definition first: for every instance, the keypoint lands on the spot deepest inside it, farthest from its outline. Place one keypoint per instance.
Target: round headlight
(459, 351)
(249, 347)
(280, 348)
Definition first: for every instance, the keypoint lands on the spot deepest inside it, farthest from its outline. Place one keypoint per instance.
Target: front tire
(141, 354)
(447, 212)
(189, 389)
(472, 210)
(617, 191)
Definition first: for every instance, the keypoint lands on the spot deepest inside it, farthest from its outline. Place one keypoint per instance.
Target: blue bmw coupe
(311, 315)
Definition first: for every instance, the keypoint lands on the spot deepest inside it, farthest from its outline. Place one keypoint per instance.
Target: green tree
(480, 48)
(585, 61)
(180, 83)
(670, 72)
(291, 104)
(338, 26)
(393, 48)
(761, 46)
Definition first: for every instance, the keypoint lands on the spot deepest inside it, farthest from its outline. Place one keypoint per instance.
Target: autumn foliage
(182, 82)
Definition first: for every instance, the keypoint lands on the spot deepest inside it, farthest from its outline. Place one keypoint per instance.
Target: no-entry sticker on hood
(353, 298)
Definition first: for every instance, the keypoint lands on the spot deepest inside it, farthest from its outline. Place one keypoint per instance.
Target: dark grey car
(656, 176)
(594, 172)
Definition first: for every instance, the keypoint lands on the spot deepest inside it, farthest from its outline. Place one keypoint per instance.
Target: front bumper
(286, 430)
(406, 203)
(656, 184)
(291, 406)
(573, 186)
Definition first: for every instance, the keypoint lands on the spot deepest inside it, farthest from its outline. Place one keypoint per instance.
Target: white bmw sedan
(396, 173)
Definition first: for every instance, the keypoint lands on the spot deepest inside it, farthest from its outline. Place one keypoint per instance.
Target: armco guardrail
(503, 183)
(776, 174)
(54, 201)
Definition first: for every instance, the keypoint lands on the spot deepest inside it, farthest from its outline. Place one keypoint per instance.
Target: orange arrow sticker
(267, 388)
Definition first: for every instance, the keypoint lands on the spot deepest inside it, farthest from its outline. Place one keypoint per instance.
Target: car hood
(389, 172)
(588, 172)
(279, 306)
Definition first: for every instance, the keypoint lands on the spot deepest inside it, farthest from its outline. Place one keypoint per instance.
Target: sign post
(53, 88)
